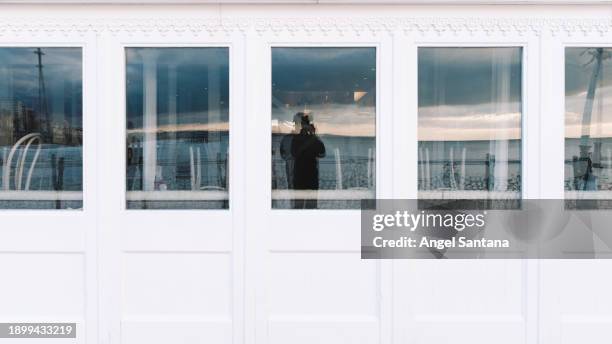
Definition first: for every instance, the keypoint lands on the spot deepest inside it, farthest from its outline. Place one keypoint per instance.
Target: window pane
(177, 128)
(469, 123)
(323, 127)
(588, 128)
(41, 131)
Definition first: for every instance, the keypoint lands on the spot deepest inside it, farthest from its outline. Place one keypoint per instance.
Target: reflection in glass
(323, 127)
(41, 131)
(469, 123)
(588, 126)
(177, 128)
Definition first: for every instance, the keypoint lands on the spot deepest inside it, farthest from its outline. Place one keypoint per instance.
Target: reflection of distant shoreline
(348, 130)
(173, 128)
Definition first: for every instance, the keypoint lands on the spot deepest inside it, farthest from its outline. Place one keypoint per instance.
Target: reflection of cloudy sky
(59, 64)
(460, 123)
(179, 56)
(62, 70)
(194, 86)
(324, 81)
(334, 119)
(52, 56)
(469, 93)
(578, 72)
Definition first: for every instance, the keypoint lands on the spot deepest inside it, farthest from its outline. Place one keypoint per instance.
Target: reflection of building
(64, 134)
(15, 120)
(6, 126)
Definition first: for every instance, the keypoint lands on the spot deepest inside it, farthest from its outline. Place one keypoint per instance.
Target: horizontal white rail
(461, 194)
(217, 195)
(596, 195)
(323, 194)
(15, 195)
(183, 195)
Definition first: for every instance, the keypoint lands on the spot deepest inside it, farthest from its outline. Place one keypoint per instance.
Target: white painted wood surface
(256, 276)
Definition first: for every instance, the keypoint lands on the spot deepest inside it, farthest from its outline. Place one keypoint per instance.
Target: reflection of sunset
(601, 122)
(447, 134)
(351, 129)
(330, 119)
(451, 123)
(358, 95)
(597, 130)
(172, 128)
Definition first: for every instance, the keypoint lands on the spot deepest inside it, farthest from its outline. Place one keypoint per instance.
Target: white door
(49, 192)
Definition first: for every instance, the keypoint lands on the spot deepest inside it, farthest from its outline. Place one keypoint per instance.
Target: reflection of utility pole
(42, 94)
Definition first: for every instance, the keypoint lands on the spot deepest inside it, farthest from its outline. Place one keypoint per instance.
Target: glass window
(177, 128)
(588, 126)
(469, 123)
(41, 128)
(323, 127)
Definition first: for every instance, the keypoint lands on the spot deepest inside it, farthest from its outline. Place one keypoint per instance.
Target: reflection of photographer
(306, 149)
(308, 127)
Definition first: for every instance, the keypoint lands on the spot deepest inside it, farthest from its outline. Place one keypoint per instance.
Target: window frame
(530, 117)
(376, 47)
(523, 108)
(231, 104)
(87, 84)
(167, 231)
(62, 232)
(571, 42)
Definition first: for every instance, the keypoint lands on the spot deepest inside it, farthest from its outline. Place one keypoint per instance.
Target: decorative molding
(312, 2)
(319, 25)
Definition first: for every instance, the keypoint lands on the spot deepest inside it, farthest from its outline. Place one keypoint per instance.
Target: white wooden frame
(278, 232)
(170, 232)
(560, 315)
(410, 321)
(559, 62)
(281, 194)
(42, 237)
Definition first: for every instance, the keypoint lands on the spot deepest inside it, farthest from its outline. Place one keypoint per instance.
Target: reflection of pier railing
(453, 175)
(48, 174)
(358, 172)
(186, 175)
(599, 177)
(469, 162)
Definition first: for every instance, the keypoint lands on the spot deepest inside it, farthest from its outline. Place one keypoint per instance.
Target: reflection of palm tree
(583, 165)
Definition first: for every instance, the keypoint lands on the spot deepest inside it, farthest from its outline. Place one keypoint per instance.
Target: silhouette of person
(306, 149)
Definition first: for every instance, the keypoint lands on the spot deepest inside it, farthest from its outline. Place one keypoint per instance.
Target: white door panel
(48, 257)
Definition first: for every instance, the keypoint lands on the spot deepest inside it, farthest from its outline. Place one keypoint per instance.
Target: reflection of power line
(42, 93)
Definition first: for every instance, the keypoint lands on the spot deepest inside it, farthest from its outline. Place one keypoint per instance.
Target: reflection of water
(70, 172)
(182, 163)
(468, 165)
(349, 163)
